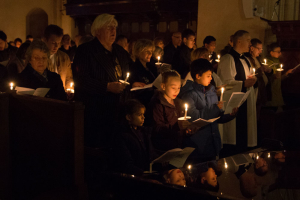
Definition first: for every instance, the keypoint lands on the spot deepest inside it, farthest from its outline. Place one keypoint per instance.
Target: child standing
(164, 111)
(133, 149)
(203, 103)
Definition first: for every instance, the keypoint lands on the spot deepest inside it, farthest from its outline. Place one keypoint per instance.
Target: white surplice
(227, 73)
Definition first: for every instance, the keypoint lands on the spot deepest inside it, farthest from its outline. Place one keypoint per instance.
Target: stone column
(297, 9)
(289, 10)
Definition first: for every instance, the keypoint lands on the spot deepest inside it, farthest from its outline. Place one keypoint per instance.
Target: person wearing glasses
(36, 75)
(172, 47)
(59, 61)
(275, 99)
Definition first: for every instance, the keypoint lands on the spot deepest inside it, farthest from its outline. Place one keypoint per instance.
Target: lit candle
(158, 58)
(127, 76)
(190, 167)
(269, 155)
(281, 66)
(222, 92)
(186, 108)
(226, 165)
(11, 86)
(257, 157)
(253, 71)
(71, 84)
(218, 57)
(265, 61)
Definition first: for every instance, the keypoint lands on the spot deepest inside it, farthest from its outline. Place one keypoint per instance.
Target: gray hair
(141, 45)
(101, 21)
(36, 44)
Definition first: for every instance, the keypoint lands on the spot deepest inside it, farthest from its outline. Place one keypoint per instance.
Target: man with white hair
(97, 68)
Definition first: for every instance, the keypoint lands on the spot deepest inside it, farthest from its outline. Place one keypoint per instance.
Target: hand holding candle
(281, 68)
(265, 61)
(158, 58)
(218, 60)
(127, 76)
(253, 71)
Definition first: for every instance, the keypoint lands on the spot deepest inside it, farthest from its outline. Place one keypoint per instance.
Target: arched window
(36, 22)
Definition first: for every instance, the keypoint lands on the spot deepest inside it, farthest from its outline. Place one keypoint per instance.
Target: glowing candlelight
(71, 84)
(257, 157)
(158, 58)
(226, 165)
(281, 66)
(265, 61)
(253, 71)
(219, 57)
(189, 167)
(186, 108)
(269, 155)
(127, 76)
(222, 92)
(11, 86)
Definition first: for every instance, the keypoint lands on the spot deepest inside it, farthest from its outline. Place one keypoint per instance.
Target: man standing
(59, 61)
(234, 69)
(209, 43)
(172, 47)
(98, 66)
(67, 48)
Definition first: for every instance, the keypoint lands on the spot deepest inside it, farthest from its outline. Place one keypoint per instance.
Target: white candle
(265, 61)
(11, 86)
(71, 84)
(269, 155)
(218, 57)
(253, 71)
(158, 58)
(222, 92)
(127, 76)
(226, 165)
(186, 108)
(281, 66)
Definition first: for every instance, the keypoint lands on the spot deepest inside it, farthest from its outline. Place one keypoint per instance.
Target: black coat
(4, 84)
(132, 151)
(28, 79)
(93, 68)
(8, 53)
(182, 60)
(169, 52)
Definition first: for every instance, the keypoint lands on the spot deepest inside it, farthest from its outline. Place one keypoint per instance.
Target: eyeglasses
(148, 52)
(260, 49)
(38, 59)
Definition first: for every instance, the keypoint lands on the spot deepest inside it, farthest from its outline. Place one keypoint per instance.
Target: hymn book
(175, 157)
(39, 92)
(236, 100)
(202, 122)
(156, 83)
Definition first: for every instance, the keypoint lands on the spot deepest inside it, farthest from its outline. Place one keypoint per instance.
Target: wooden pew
(42, 148)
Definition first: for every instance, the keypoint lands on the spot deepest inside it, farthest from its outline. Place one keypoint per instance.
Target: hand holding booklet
(156, 83)
(40, 92)
(236, 100)
(202, 122)
(175, 157)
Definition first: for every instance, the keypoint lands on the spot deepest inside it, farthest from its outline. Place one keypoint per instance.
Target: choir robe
(233, 69)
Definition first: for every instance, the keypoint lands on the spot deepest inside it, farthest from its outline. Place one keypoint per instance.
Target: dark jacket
(4, 84)
(133, 150)
(169, 52)
(93, 68)
(15, 67)
(71, 52)
(140, 74)
(203, 104)
(163, 117)
(182, 60)
(8, 53)
(28, 78)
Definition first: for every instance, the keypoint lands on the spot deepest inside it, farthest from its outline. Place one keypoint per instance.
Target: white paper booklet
(156, 83)
(202, 122)
(175, 157)
(236, 100)
(40, 92)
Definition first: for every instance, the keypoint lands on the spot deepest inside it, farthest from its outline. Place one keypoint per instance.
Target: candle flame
(11, 84)
(158, 58)
(257, 157)
(186, 106)
(281, 66)
(219, 57)
(71, 84)
(128, 74)
(269, 155)
(265, 61)
(253, 70)
(226, 165)
(189, 166)
(222, 89)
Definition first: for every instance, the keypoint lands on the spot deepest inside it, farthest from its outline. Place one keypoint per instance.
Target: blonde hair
(197, 53)
(140, 46)
(167, 74)
(101, 21)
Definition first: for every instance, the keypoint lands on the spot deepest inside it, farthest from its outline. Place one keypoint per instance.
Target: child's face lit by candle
(176, 177)
(210, 177)
(136, 119)
(205, 78)
(172, 87)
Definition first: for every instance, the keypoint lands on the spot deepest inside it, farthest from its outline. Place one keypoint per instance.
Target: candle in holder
(11, 86)
(253, 71)
(281, 66)
(186, 108)
(222, 92)
(218, 60)
(158, 58)
(127, 76)
(265, 61)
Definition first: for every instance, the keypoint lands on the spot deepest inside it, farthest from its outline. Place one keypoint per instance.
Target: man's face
(190, 41)
(256, 50)
(53, 43)
(211, 46)
(2, 44)
(176, 39)
(245, 42)
(108, 34)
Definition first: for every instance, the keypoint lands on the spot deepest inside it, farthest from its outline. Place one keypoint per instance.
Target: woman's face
(39, 60)
(146, 54)
(276, 52)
